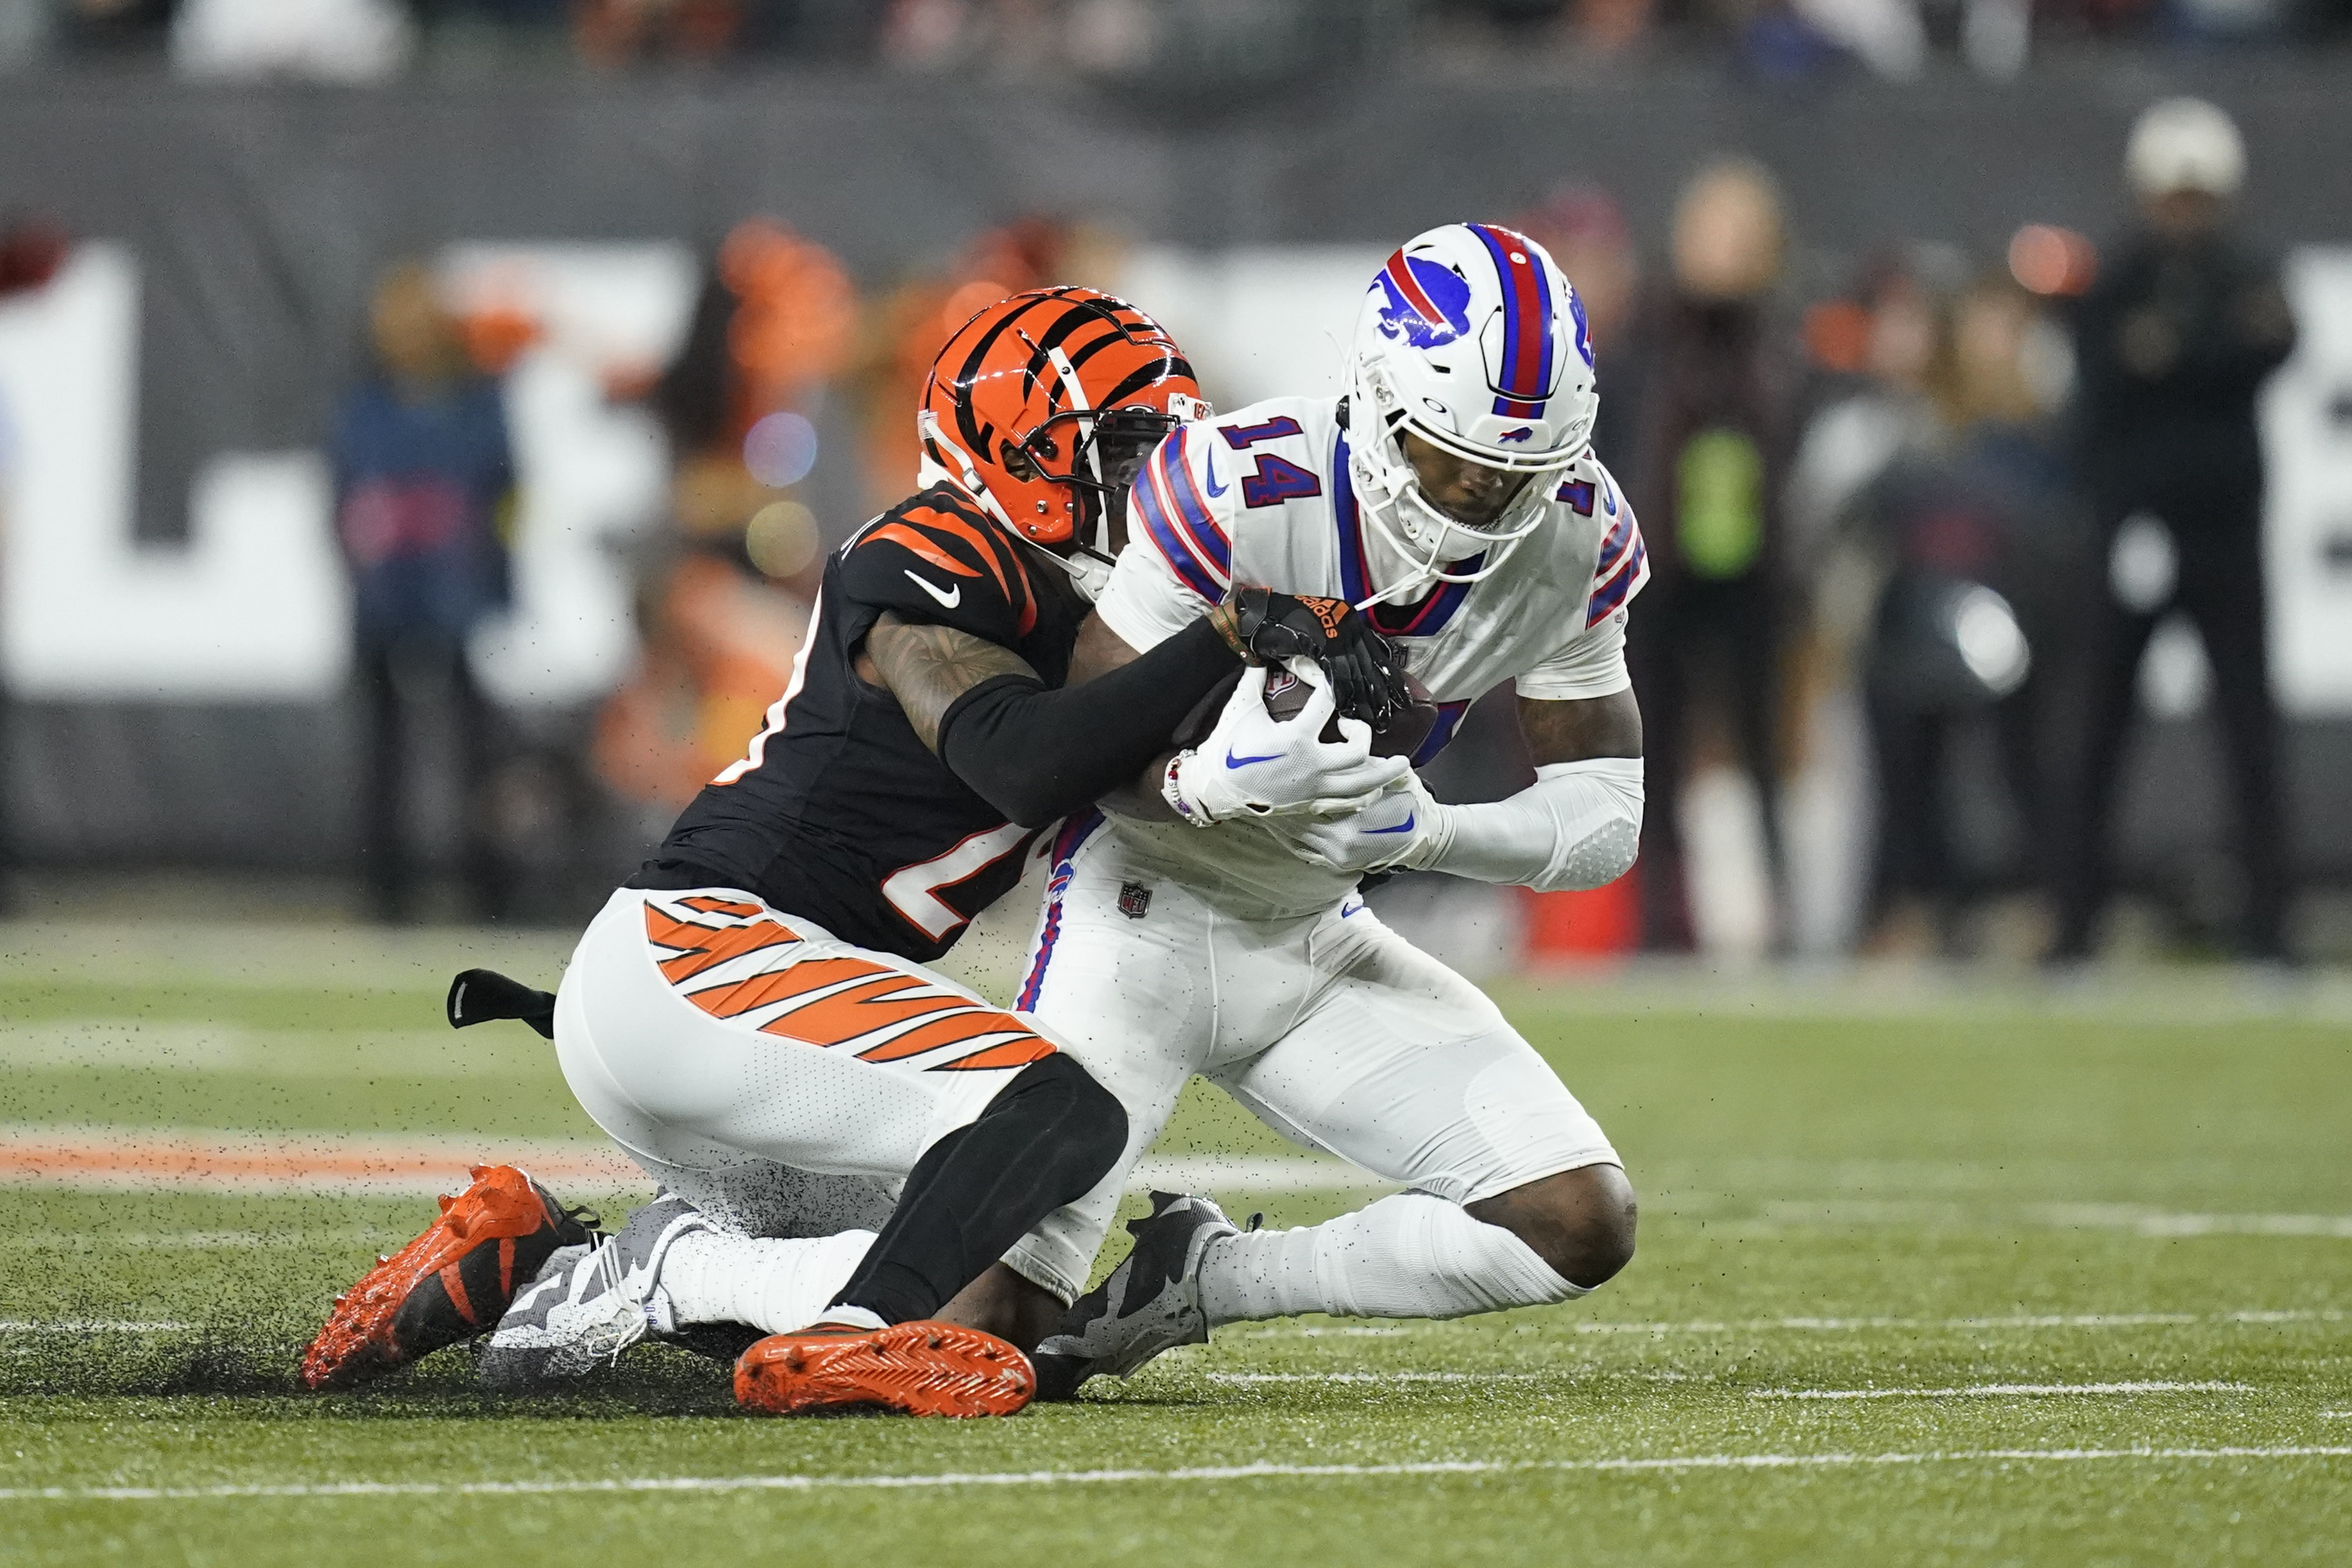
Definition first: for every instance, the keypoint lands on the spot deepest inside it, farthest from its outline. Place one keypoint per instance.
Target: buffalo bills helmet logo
(1426, 304)
(1524, 433)
(1583, 327)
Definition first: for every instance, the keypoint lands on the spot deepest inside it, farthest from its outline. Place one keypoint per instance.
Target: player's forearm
(929, 668)
(1036, 754)
(1140, 798)
(1579, 826)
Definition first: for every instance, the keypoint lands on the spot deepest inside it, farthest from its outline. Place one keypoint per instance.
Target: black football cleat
(1151, 1302)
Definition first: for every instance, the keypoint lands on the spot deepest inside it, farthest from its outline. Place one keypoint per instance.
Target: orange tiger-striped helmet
(1045, 405)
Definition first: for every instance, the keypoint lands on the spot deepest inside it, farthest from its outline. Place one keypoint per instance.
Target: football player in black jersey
(856, 1154)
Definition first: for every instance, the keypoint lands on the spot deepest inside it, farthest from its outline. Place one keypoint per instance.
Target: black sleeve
(1036, 754)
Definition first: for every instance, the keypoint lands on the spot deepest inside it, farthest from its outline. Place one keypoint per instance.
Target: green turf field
(1927, 1275)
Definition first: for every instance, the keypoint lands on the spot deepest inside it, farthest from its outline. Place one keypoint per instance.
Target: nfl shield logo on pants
(1134, 899)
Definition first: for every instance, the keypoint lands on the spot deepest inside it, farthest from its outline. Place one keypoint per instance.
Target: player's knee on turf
(1580, 1222)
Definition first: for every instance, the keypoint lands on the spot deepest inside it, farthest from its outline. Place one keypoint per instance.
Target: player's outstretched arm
(1038, 754)
(1101, 650)
(1579, 826)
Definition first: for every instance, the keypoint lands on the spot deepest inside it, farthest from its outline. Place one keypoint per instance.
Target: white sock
(776, 1287)
(1410, 1256)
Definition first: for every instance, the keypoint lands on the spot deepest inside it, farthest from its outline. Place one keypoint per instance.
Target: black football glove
(1366, 669)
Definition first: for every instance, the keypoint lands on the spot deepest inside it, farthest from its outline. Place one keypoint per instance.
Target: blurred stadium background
(699, 251)
(421, 422)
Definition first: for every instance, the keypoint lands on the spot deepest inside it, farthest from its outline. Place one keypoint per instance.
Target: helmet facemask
(1424, 536)
(1097, 455)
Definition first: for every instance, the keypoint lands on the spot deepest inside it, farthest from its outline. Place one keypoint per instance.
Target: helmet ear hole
(1017, 463)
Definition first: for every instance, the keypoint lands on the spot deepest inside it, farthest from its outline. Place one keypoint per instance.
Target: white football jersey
(1262, 496)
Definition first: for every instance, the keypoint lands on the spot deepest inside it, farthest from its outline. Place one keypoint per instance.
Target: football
(1286, 696)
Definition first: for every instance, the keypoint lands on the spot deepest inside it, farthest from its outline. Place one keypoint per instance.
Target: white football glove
(1374, 837)
(1250, 765)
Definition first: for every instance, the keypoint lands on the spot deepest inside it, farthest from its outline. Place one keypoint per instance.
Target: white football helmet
(1471, 338)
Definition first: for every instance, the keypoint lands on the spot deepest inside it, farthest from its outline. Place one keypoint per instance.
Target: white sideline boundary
(2002, 1391)
(2020, 1321)
(1254, 1379)
(2253, 1317)
(1265, 1471)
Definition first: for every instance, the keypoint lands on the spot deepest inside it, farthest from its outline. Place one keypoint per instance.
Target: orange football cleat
(921, 1368)
(450, 1284)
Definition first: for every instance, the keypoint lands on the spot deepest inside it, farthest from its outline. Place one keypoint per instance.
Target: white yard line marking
(2022, 1321)
(2143, 1221)
(2001, 1391)
(195, 1046)
(1248, 1379)
(1781, 1214)
(91, 1326)
(186, 1240)
(2252, 1316)
(1096, 1477)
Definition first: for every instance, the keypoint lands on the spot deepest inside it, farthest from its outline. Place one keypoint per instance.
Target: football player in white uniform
(1453, 492)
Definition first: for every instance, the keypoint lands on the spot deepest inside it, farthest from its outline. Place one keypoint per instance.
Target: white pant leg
(1129, 990)
(1402, 1067)
(1407, 1069)
(695, 1019)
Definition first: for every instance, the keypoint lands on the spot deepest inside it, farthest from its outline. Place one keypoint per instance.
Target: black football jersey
(838, 812)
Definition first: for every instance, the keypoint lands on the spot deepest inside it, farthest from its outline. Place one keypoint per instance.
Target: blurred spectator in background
(424, 498)
(1585, 230)
(2172, 344)
(1893, 38)
(615, 32)
(723, 598)
(1706, 466)
(611, 32)
(1965, 531)
(115, 26)
(908, 327)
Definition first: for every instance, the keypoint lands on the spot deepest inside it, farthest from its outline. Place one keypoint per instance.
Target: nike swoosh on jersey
(1233, 762)
(947, 601)
(1405, 827)
(1215, 488)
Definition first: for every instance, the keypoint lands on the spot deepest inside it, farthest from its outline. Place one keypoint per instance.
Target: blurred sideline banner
(171, 609)
(2307, 437)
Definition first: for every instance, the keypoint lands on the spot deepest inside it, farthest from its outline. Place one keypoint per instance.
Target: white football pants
(1331, 1028)
(780, 1080)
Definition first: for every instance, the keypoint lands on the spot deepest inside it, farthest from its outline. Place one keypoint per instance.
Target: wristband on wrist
(1226, 619)
(1171, 790)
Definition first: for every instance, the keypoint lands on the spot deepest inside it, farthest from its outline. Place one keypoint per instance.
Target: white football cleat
(1151, 1302)
(572, 1319)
